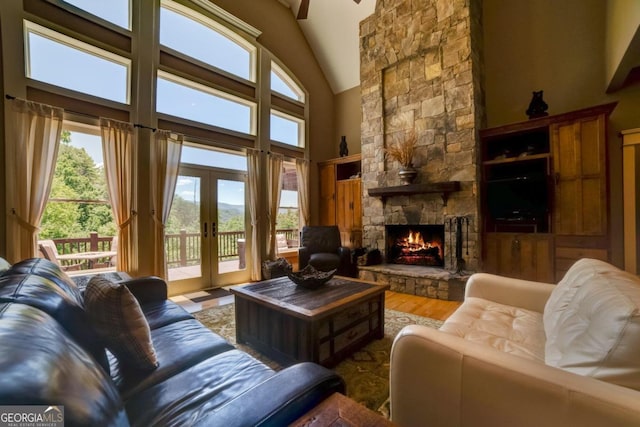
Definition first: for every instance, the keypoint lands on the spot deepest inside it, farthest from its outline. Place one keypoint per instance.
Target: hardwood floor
(421, 306)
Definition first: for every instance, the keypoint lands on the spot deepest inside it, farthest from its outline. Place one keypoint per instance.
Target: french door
(207, 243)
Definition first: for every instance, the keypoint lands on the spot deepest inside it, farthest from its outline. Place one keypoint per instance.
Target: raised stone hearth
(417, 280)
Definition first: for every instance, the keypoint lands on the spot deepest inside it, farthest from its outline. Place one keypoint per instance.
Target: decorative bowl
(311, 278)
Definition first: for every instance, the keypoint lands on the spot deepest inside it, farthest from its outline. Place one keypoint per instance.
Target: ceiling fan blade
(303, 10)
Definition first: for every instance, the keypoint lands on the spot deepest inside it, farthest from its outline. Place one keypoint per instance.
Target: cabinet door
(522, 256)
(344, 198)
(579, 157)
(327, 194)
(349, 211)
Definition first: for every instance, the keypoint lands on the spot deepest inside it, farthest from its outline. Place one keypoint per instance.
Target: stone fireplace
(421, 71)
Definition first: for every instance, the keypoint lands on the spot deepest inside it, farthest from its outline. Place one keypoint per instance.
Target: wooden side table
(339, 410)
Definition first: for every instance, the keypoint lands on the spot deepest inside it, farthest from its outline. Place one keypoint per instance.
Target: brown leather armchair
(321, 247)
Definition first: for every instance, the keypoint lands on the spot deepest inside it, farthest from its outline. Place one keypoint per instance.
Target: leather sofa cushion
(321, 238)
(51, 271)
(53, 298)
(162, 313)
(42, 365)
(178, 346)
(506, 328)
(196, 392)
(598, 332)
(324, 261)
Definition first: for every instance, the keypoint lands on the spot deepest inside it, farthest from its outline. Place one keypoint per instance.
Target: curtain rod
(141, 126)
(137, 125)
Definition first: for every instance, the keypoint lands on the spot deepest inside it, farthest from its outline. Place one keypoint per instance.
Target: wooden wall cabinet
(341, 197)
(544, 194)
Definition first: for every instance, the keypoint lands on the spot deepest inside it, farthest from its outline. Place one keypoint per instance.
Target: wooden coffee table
(292, 324)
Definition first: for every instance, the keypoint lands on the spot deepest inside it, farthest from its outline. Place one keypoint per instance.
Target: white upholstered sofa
(521, 353)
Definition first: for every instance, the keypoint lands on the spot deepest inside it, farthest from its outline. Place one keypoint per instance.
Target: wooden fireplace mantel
(407, 190)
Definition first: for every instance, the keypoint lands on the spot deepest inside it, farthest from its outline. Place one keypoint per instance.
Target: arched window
(283, 84)
(190, 33)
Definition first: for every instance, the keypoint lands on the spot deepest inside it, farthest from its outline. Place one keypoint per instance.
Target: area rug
(366, 372)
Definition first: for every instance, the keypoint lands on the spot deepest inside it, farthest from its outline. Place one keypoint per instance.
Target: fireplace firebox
(421, 244)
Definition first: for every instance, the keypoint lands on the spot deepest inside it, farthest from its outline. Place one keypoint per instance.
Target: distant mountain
(227, 211)
(238, 209)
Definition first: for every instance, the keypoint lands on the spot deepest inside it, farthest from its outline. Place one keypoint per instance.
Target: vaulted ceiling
(332, 29)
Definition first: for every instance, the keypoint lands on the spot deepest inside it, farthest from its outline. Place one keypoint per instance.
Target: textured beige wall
(533, 45)
(623, 21)
(348, 118)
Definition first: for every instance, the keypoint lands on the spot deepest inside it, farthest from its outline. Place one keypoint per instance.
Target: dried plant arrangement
(402, 150)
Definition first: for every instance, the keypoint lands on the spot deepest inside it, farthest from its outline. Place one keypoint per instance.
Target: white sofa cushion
(506, 328)
(592, 323)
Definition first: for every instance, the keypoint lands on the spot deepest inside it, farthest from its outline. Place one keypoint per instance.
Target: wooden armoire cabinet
(341, 197)
(544, 194)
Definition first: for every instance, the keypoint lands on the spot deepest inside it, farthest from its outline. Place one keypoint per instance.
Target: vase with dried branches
(402, 151)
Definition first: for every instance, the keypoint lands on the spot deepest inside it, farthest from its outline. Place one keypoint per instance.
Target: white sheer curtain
(32, 151)
(302, 175)
(165, 163)
(253, 168)
(118, 149)
(275, 187)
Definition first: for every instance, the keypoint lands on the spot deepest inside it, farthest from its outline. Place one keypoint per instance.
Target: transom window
(192, 101)
(117, 12)
(283, 84)
(201, 38)
(69, 63)
(287, 129)
(198, 155)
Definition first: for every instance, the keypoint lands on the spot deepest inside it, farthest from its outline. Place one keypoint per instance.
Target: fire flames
(413, 249)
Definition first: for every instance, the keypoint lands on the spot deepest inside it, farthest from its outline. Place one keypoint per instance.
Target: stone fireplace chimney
(421, 65)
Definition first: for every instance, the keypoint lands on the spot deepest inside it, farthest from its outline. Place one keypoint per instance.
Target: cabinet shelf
(516, 159)
(407, 190)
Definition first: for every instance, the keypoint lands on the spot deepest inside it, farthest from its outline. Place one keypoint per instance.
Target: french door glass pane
(183, 239)
(231, 230)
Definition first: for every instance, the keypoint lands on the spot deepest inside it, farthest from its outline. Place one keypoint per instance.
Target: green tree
(287, 219)
(185, 215)
(232, 223)
(59, 219)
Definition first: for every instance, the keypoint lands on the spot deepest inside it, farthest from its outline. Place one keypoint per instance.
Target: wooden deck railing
(182, 249)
